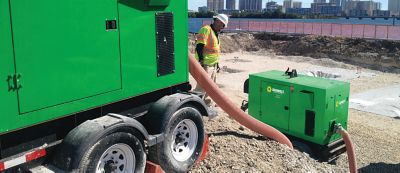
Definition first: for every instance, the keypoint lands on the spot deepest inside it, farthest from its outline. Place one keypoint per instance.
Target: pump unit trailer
(92, 85)
(304, 108)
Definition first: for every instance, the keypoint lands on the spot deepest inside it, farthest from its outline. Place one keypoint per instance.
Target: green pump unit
(84, 79)
(78, 55)
(304, 108)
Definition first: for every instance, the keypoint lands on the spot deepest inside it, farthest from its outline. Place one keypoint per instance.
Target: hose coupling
(338, 127)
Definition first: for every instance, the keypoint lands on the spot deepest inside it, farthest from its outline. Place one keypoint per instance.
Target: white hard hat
(223, 18)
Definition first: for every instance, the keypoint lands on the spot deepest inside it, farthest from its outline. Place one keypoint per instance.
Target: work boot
(208, 101)
(212, 112)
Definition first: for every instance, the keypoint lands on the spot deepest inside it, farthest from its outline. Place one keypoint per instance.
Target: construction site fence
(384, 32)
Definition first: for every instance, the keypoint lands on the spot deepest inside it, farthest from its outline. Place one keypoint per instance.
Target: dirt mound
(232, 42)
(237, 149)
(374, 54)
(383, 55)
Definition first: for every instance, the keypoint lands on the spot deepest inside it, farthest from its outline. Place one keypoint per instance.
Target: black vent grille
(310, 123)
(165, 43)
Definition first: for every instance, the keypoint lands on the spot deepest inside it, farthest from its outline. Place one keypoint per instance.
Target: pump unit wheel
(117, 153)
(184, 137)
(303, 147)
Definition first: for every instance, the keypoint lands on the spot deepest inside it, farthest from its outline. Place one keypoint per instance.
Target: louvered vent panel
(165, 43)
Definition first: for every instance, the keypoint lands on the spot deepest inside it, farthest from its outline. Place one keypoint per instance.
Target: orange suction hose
(229, 107)
(349, 148)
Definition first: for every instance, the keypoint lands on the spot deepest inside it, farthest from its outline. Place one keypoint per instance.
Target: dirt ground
(234, 148)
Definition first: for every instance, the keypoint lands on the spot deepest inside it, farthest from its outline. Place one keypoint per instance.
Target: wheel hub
(110, 166)
(185, 137)
(179, 139)
(119, 158)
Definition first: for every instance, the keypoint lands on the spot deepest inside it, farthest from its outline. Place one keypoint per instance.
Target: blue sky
(194, 4)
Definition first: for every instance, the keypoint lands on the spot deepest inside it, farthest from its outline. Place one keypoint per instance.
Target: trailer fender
(161, 110)
(81, 138)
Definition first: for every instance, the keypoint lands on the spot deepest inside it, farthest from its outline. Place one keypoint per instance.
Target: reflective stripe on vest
(201, 37)
(212, 46)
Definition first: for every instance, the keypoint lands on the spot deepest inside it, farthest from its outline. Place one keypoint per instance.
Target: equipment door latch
(13, 82)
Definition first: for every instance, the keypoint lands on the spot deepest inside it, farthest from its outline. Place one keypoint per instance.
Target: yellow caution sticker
(269, 89)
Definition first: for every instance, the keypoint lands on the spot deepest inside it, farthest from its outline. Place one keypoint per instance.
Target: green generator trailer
(91, 85)
(304, 108)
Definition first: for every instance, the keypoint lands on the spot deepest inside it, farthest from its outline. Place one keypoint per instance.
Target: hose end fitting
(338, 127)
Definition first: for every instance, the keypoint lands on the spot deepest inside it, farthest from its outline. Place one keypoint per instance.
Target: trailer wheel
(184, 137)
(117, 152)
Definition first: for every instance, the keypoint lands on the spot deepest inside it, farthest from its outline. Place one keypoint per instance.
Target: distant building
(349, 5)
(299, 11)
(230, 4)
(316, 7)
(272, 6)
(215, 5)
(286, 5)
(381, 13)
(221, 4)
(332, 10)
(250, 5)
(336, 2)
(203, 9)
(343, 3)
(358, 13)
(326, 9)
(377, 6)
(296, 4)
(361, 8)
(319, 1)
(210, 5)
(228, 12)
(394, 7)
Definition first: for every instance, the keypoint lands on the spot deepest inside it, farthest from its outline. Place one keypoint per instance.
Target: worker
(208, 48)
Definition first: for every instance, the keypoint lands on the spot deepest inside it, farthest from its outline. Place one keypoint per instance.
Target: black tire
(162, 152)
(92, 156)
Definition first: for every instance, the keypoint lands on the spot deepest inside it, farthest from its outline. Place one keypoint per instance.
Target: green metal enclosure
(62, 57)
(304, 107)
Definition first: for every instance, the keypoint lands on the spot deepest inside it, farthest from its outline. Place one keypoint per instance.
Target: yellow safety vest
(212, 49)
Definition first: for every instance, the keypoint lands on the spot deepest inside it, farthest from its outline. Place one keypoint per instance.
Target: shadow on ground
(380, 167)
(226, 133)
